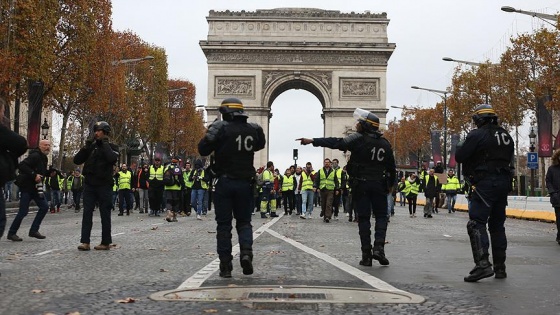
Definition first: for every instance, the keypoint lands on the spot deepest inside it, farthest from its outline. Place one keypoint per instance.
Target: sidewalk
(519, 207)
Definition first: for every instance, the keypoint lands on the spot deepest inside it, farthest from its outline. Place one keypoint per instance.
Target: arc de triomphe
(341, 58)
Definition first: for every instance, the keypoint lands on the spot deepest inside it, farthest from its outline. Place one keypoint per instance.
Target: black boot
(379, 253)
(273, 214)
(225, 269)
(483, 269)
(246, 259)
(366, 256)
(499, 264)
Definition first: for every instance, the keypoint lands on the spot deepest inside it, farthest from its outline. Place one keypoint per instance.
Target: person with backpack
(174, 183)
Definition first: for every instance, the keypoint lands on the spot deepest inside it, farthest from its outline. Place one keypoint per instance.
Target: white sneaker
(302, 216)
(347, 214)
(308, 216)
(198, 217)
(336, 217)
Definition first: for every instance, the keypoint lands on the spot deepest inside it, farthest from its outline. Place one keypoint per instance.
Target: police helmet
(231, 105)
(484, 114)
(368, 120)
(102, 125)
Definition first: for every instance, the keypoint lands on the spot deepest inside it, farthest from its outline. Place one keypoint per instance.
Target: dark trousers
(336, 204)
(2, 216)
(102, 196)
(556, 211)
(298, 202)
(125, 197)
(369, 197)
(327, 197)
(76, 195)
(411, 203)
(187, 200)
(24, 201)
(232, 199)
(155, 195)
(288, 200)
(488, 205)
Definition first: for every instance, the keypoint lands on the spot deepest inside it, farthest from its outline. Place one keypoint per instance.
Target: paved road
(429, 257)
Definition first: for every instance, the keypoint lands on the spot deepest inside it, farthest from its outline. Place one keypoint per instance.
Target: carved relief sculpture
(239, 86)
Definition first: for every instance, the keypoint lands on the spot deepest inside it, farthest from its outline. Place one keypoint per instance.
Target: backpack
(260, 179)
(168, 178)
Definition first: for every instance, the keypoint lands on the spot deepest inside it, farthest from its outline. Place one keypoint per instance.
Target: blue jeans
(307, 201)
(451, 198)
(56, 198)
(390, 204)
(197, 198)
(24, 201)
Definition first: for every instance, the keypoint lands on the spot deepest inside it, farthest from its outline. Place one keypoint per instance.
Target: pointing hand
(304, 141)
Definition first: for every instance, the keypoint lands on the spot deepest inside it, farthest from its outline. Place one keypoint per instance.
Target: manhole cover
(287, 294)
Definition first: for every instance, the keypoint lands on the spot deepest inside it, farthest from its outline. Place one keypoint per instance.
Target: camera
(40, 190)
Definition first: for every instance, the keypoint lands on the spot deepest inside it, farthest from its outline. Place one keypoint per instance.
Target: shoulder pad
(352, 137)
(214, 128)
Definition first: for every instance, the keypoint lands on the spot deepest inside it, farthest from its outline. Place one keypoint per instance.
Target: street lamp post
(133, 60)
(532, 140)
(543, 16)
(442, 94)
(474, 64)
(45, 129)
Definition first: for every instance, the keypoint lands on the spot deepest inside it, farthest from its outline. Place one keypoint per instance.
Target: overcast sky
(423, 31)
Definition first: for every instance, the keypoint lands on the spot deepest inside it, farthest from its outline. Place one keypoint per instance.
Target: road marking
(366, 277)
(46, 252)
(196, 280)
(116, 234)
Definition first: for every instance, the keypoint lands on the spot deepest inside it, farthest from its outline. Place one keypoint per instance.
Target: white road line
(196, 280)
(46, 252)
(367, 278)
(116, 234)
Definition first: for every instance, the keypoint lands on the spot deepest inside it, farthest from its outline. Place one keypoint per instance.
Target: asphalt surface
(428, 257)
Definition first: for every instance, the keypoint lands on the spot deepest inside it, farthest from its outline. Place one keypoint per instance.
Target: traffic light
(295, 154)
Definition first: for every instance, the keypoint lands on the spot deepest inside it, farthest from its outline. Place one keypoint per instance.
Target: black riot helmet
(484, 114)
(231, 107)
(102, 125)
(368, 120)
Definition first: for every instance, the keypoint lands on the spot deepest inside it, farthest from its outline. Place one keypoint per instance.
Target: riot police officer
(234, 142)
(487, 155)
(371, 172)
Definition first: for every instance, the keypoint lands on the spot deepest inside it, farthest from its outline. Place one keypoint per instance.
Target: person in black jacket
(234, 142)
(12, 146)
(99, 156)
(371, 170)
(487, 157)
(32, 170)
(553, 187)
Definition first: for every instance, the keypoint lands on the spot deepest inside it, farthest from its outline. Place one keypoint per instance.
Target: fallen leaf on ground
(73, 313)
(211, 310)
(154, 228)
(37, 291)
(127, 300)
(162, 270)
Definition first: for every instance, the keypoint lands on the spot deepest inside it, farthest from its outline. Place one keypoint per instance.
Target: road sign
(532, 160)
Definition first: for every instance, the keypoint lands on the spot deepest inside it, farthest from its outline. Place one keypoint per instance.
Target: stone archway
(341, 58)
